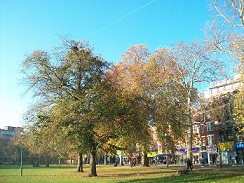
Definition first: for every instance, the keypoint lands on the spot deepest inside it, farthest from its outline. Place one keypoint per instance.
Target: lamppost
(21, 153)
(21, 160)
(166, 145)
(220, 154)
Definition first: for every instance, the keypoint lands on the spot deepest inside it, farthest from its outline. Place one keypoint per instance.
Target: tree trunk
(80, 163)
(190, 130)
(47, 161)
(105, 161)
(144, 160)
(121, 160)
(93, 164)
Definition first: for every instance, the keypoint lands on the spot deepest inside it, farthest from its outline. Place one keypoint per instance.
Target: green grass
(120, 174)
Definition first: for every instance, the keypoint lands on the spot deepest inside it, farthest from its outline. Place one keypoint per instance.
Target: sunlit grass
(121, 174)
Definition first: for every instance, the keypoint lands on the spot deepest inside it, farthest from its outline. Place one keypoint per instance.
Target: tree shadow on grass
(195, 177)
(129, 174)
(40, 167)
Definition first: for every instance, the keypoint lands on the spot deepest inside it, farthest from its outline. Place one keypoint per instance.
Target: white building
(222, 87)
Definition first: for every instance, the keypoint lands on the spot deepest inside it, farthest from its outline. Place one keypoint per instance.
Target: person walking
(202, 161)
(236, 157)
(189, 164)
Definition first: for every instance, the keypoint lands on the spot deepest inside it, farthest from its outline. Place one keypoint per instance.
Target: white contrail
(104, 27)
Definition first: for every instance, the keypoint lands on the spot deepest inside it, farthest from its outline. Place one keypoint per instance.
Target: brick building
(220, 134)
(214, 135)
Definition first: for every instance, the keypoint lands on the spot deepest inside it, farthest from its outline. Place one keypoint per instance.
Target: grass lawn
(121, 174)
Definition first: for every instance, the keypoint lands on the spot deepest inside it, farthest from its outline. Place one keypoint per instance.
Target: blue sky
(111, 26)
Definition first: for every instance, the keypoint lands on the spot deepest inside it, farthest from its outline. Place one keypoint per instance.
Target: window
(221, 89)
(209, 126)
(6, 132)
(194, 117)
(203, 141)
(236, 85)
(156, 147)
(208, 114)
(211, 91)
(195, 129)
(228, 87)
(196, 141)
(210, 139)
(239, 137)
(178, 145)
(202, 128)
(201, 116)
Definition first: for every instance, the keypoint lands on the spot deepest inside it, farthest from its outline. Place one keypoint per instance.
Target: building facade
(218, 131)
(5, 137)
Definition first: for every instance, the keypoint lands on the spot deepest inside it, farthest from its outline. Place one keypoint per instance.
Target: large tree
(195, 65)
(167, 80)
(77, 95)
(144, 74)
(168, 98)
(72, 73)
(129, 77)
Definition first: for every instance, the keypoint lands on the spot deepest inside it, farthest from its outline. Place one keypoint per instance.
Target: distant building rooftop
(221, 87)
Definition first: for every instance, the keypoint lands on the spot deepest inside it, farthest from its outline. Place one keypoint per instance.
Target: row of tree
(84, 103)
(89, 106)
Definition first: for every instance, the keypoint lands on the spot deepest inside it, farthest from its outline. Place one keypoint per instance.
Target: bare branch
(238, 7)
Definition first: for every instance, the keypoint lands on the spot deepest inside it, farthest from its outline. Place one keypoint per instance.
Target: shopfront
(227, 151)
(211, 154)
(178, 156)
(151, 156)
(203, 155)
(239, 157)
(181, 155)
(196, 155)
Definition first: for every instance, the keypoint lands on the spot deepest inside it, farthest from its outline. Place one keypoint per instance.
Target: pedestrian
(189, 164)
(116, 162)
(133, 161)
(202, 161)
(213, 157)
(236, 157)
(230, 159)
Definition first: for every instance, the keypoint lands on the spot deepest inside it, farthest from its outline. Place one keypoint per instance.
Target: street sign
(239, 145)
(151, 154)
(226, 145)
